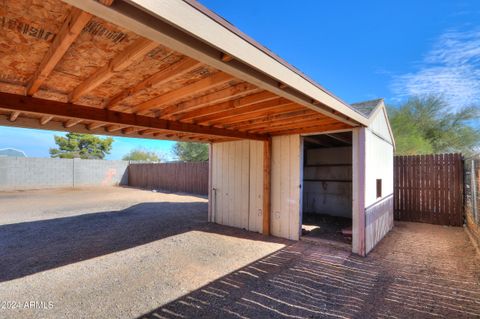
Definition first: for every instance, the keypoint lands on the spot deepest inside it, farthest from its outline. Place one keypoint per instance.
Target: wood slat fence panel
(429, 189)
(190, 177)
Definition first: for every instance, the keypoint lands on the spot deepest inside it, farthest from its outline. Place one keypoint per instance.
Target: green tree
(86, 146)
(191, 152)
(425, 125)
(142, 155)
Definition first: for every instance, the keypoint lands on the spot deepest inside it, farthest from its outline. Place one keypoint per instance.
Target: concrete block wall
(17, 173)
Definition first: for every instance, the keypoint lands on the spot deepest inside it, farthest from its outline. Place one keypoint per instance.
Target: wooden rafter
(229, 105)
(13, 116)
(120, 62)
(45, 119)
(228, 93)
(293, 125)
(130, 130)
(275, 118)
(202, 85)
(114, 128)
(70, 30)
(14, 102)
(293, 120)
(147, 132)
(163, 76)
(247, 112)
(251, 114)
(238, 110)
(95, 125)
(227, 57)
(72, 122)
(339, 138)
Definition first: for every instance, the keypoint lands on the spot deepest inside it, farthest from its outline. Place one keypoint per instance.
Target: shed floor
(326, 229)
(144, 254)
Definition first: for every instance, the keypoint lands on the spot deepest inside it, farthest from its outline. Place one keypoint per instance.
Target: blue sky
(359, 50)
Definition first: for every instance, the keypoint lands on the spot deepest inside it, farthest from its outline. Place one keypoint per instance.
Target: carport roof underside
(189, 76)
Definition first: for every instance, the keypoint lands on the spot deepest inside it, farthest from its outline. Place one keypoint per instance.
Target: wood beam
(271, 119)
(313, 129)
(106, 2)
(120, 62)
(45, 119)
(294, 120)
(253, 111)
(147, 132)
(130, 130)
(211, 118)
(13, 116)
(229, 105)
(267, 175)
(70, 30)
(229, 93)
(95, 125)
(114, 128)
(202, 85)
(163, 76)
(227, 57)
(71, 123)
(15, 102)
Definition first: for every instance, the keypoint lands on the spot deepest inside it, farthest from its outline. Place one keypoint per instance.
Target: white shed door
(286, 169)
(237, 177)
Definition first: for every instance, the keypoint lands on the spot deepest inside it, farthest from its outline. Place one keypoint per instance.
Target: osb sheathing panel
(96, 45)
(27, 30)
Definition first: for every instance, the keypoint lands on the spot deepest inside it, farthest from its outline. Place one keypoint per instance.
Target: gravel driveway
(127, 253)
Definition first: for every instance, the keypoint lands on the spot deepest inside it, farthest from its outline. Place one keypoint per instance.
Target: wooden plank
(13, 116)
(225, 106)
(275, 118)
(72, 123)
(295, 125)
(248, 112)
(228, 93)
(13, 102)
(95, 125)
(45, 119)
(163, 76)
(120, 62)
(70, 30)
(267, 173)
(183, 92)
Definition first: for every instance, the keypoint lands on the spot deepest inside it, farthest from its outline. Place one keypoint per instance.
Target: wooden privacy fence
(191, 177)
(429, 189)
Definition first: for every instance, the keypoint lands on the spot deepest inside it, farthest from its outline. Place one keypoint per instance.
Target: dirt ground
(127, 253)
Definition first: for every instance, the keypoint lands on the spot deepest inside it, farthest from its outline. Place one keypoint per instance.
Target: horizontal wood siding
(189, 177)
(429, 189)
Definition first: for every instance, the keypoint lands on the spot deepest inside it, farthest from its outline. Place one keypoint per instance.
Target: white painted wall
(237, 177)
(378, 124)
(378, 165)
(286, 167)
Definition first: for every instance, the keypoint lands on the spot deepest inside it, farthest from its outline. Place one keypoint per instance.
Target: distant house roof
(367, 107)
(11, 152)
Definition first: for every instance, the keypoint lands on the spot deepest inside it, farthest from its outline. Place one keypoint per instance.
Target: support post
(267, 175)
(358, 191)
(211, 204)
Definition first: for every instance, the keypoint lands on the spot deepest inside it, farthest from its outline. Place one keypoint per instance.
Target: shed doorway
(327, 189)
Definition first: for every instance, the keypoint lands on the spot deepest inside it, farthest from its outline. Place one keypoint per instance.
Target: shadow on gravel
(312, 281)
(31, 247)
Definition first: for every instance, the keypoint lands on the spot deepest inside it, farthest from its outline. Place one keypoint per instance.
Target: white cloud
(450, 69)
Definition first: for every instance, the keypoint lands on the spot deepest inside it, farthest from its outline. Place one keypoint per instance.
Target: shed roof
(367, 108)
